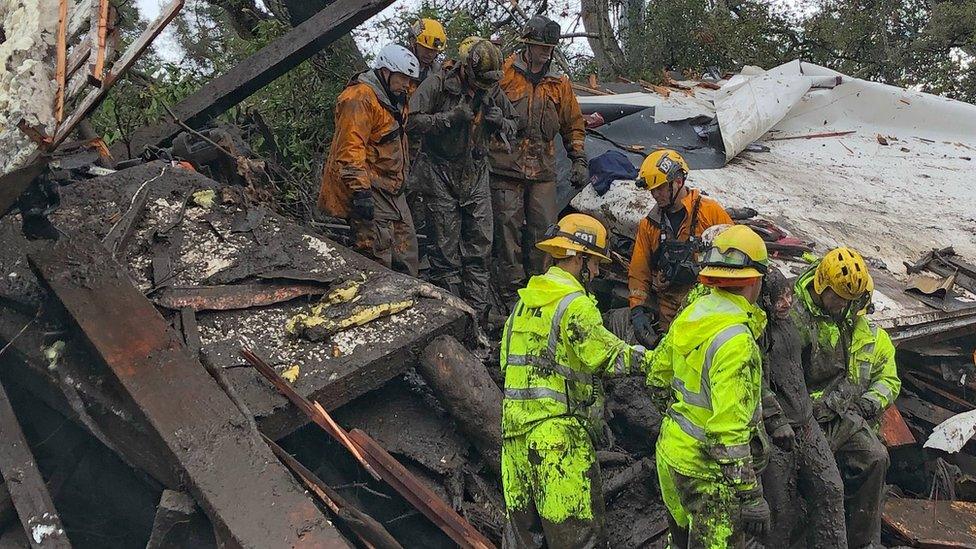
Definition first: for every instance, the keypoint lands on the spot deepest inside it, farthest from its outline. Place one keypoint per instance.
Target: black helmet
(541, 31)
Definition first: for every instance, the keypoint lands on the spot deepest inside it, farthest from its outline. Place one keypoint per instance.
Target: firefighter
(663, 265)
(523, 182)
(706, 378)
(849, 365)
(456, 111)
(554, 352)
(362, 180)
(428, 42)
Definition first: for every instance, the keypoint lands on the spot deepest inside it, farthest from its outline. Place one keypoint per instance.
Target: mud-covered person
(802, 472)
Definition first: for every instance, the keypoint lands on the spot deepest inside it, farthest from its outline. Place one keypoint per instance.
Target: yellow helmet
(429, 33)
(844, 271)
(576, 233)
(736, 253)
(660, 167)
(482, 61)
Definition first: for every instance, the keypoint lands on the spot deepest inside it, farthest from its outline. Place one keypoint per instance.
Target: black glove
(784, 438)
(494, 116)
(646, 326)
(754, 514)
(867, 408)
(580, 175)
(461, 114)
(362, 204)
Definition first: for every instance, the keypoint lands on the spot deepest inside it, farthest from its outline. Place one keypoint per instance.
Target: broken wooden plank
(260, 69)
(250, 496)
(130, 56)
(180, 523)
(118, 236)
(369, 530)
(921, 410)
(811, 136)
(98, 36)
(26, 485)
(61, 60)
(229, 297)
(418, 494)
(932, 524)
(894, 430)
(314, 411)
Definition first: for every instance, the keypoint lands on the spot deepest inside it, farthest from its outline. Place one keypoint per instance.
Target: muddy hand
(784, 437)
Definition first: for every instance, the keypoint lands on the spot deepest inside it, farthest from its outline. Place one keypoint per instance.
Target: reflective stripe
(864, 373)
(730, 453)
(687, 426)
(544, 363)
(557, 319)
(703, 398)
(534, 393)
(619, 365)
(882, 389)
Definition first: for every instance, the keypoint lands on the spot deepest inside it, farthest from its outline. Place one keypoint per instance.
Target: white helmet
(397, 58)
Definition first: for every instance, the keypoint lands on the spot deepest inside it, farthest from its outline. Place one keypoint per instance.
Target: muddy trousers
(457, 201)
(863, 463)
(703, 513)
(807, 475)
(514, 203)
(389, 237)
(553, 491)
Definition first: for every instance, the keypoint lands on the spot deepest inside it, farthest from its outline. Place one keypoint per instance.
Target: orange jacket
(544, 110)
(369, 147)
(644, 280)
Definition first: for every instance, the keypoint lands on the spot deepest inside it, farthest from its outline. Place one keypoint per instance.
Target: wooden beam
(99, 35)
(894, 430)
(260, 69)
(243, 489)
(932, 524)
(133, 53)
(61, 60)
(26, 485)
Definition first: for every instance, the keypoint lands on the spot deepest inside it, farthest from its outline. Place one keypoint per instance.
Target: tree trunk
(607, 52)
(462, 384)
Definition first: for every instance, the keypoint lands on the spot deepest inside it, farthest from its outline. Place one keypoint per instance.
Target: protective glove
(461, 114)
(867, 408)
(646, 326)
(362, 204)
(754, 514)
(580, 176)
(494, 116)
(784, 437)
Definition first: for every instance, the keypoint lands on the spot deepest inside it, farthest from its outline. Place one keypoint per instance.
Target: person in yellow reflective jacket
(554, 352)
(849, 367)
(706, 376)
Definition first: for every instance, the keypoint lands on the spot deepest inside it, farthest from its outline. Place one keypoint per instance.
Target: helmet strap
(585, 275)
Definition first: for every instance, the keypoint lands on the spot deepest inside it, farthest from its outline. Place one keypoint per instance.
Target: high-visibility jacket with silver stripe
(710, 361)
(554, 349)
(870, 357)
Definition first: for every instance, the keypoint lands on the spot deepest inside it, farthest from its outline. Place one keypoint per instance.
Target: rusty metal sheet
(241, 486)
(894, 430)
(932, 524)
(234, 296)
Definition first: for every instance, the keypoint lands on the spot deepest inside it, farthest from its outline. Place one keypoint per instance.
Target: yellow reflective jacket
(554, 350)
(711, 364)
(854, 348)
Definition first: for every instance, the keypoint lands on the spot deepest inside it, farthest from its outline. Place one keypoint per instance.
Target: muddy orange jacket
(544, 111)
(646, 284)
(369, 147)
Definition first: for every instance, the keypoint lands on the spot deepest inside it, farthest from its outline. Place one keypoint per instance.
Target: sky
(167, 48)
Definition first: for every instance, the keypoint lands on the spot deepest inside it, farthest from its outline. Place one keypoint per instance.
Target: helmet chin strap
(585, 274)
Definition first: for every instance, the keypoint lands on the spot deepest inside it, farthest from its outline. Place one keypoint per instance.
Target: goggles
(732, 259)
(585, 240)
